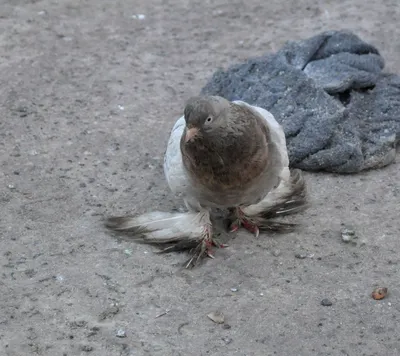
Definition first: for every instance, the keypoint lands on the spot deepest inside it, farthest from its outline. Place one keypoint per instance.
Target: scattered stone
(326, 302)
(93, 331)
(379, 293)
(128, 252)
(234, 289)
(300, 256)
(23, 111)
(30, 272)
(121, 333)
(276, 253)
(348, 235)
(78, 324)
(226, 326)
(109, 313)
(86, 348)
(217, 317)
(227, 340)
(139, 16)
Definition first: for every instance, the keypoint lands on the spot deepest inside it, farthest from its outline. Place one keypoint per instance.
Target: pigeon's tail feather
(160, 227)
(290, 197)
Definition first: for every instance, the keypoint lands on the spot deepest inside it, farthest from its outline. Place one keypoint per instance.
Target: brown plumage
(226, 153)
(222, 154)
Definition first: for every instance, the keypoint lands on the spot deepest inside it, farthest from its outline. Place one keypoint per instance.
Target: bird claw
(234, 227)
(218, 243)
(210, 254)
(251, 227)
(204, 248)
(242, 220)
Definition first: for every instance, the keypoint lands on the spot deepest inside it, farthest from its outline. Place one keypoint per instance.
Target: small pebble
(226, 326)
(348, 235)
(217, 317)
(379, 293)
(121, 333)
(326, 302)
(276, 253)
(300, 256)
(128, 252)
(86, 348)
(227, 340)
(234, 289)
(109, 312)
(78, 323)
(139, 16)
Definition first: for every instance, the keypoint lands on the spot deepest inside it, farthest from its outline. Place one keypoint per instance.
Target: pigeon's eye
(209, 119)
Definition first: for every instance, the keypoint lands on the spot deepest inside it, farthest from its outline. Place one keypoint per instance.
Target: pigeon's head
(204, 115)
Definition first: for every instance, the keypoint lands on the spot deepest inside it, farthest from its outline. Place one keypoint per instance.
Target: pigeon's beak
(190, 133)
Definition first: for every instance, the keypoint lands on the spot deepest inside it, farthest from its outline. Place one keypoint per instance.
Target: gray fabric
(339, 111)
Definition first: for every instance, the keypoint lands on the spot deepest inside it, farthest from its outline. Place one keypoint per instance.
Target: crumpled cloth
(339, 111)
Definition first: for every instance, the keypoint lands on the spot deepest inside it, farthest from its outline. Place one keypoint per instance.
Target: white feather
(274, 197)
(166, 227)
(174, 170)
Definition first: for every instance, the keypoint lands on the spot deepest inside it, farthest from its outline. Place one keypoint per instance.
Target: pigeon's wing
(174, 170)
(290, 196)
(276, 130)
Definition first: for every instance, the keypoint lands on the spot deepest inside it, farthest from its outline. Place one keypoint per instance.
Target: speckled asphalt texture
(89, 91)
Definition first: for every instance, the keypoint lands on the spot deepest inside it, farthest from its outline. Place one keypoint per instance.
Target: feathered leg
(238, 219)
(204, 247)
(288, 198)
(185, 231)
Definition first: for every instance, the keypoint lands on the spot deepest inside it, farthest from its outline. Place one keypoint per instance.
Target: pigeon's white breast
(174, 170)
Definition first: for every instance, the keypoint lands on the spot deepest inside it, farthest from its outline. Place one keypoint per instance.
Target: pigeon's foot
(257, 223)
(204, 248)
(290, 197)
(240, 219)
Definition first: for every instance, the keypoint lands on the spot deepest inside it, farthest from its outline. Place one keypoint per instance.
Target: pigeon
(221, 155)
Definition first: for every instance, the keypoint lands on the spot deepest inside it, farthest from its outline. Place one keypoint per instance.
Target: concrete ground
(88, 93)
